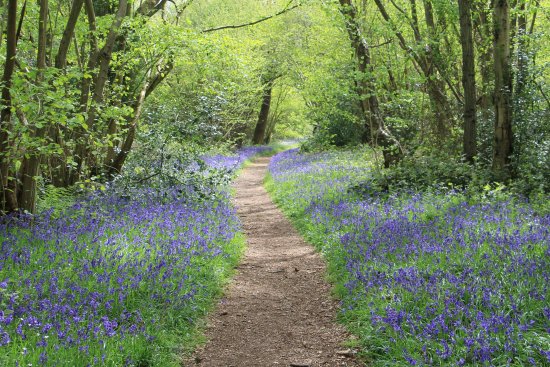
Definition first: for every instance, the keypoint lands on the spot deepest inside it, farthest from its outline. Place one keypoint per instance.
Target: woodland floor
(278, 310)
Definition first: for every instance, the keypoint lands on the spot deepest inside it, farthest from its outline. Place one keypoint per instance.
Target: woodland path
(278, 310)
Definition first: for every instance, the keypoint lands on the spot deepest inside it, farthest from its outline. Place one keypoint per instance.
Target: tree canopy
(86, 83)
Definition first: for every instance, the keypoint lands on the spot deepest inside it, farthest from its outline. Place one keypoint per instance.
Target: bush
(419, 173)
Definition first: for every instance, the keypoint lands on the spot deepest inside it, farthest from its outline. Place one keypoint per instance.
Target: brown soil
(278, 310)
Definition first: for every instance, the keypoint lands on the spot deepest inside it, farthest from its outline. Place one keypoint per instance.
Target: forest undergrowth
(430, 277)
(121, 276)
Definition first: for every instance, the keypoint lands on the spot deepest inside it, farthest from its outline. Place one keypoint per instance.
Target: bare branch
(285, 10)
(382, 44)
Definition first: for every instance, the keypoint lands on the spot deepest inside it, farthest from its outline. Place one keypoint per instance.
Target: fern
(56, 198)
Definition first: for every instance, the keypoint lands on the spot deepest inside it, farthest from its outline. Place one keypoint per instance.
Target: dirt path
(278, 310)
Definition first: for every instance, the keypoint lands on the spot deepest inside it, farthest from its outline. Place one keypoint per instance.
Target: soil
(278, 310)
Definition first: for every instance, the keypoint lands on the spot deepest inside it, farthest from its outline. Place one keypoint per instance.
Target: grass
(425, 278)
(114, 280)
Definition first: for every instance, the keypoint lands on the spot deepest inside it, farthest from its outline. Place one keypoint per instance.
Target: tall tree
(468, 80)
(370, 106)
(503, 137)
(483, 32)
(425, 62)
(259, 131)
(31, 163)
(8, 199)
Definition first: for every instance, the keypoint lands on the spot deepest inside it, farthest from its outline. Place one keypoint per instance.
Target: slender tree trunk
(484, 45)
(522, 53)
(118, 162)
(429, 65)
(375, 125)
(115, 166)
(31, 164)
(503, 91)
(9, 198)
(436, 83)
(261, 125)
(426, 65)
(102, 59)
(468, 80)
(2, 20)
(274, 116)
(64, 44)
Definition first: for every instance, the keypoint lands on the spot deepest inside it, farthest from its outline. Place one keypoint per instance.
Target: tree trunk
(425, 64)
(8, 200)
(31, 164)
(468, 80)
(503, 91)
(259, 131)
(522, 54)
(114, 166)
(118, 162)
(375, 125)
(484, 45)
(101, 58)
(61, 57)
(104, 60)
(429, 66)
(2, 19)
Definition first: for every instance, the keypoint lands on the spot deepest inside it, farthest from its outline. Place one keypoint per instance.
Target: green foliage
(371, 244)
(54, 198)
(429, 172)
(210, 83)
(336, 124)
(425, 172)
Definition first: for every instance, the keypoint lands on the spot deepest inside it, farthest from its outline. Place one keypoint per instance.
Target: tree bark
(104, 59)
(378, 135)
(9, 198)
(274, 116)
(522, 53)
(2, 19)
(31, 165)
(468, 80)
(61, 57)
(503, 138)
(115, 165)
(426, 65)
(119, 160)
(484, 45)
(261, 125)
(101, 58)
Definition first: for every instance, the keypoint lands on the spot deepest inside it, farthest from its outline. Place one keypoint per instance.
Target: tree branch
(179, 11)
(20, 24)
(150, 7)
(382, 44)
(285, 10)
(64, 44)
